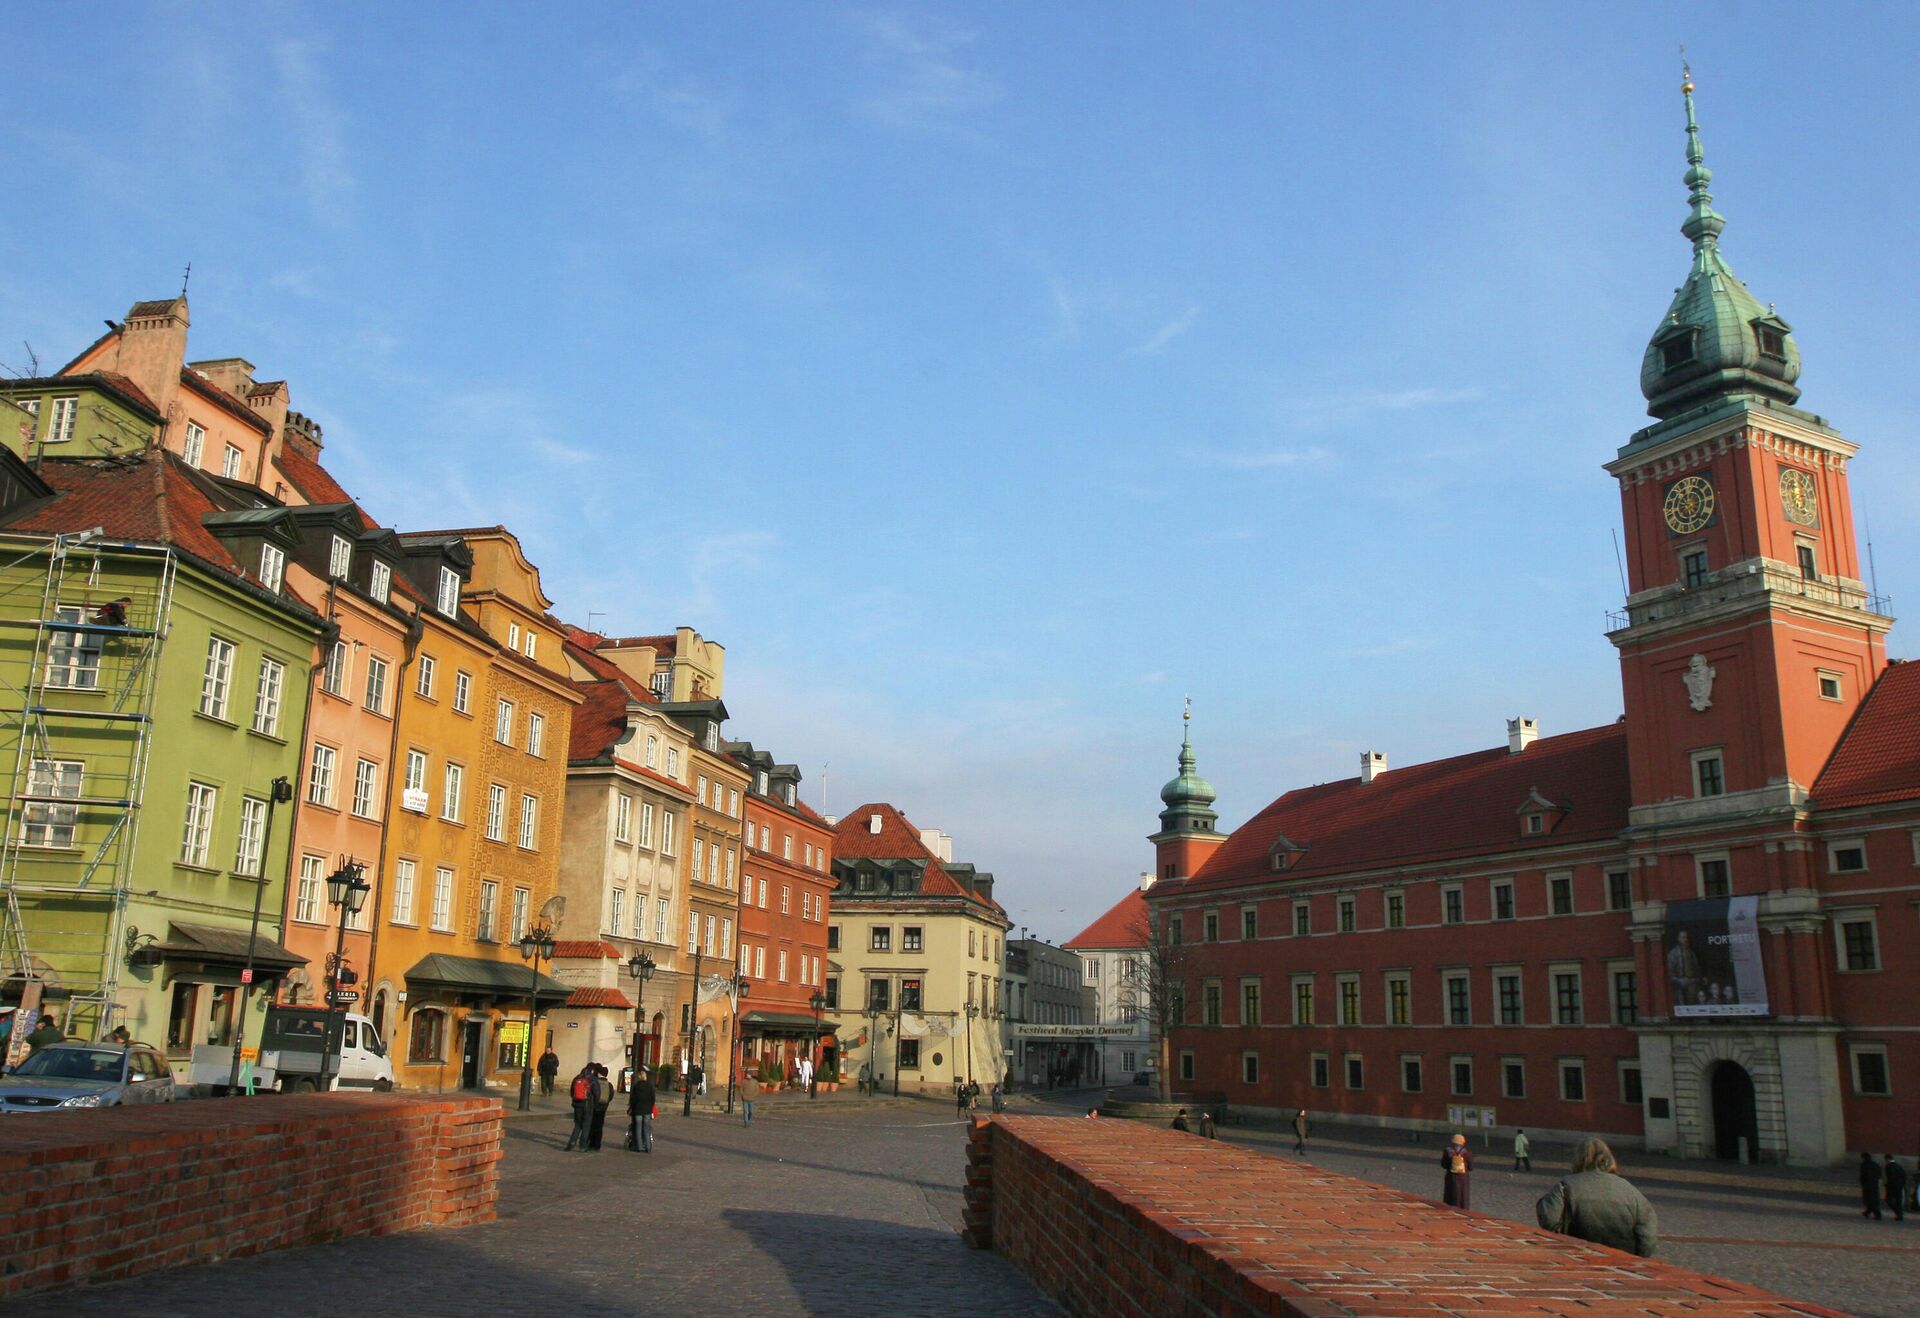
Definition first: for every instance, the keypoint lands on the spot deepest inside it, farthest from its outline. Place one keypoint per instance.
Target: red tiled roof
(146, 498)
(600, 997)
(598, 721)
(1445, 808)
(1125, 925)
(316, 484)
(1878, 758)
(897, 839)
(156, 308)
(635, 642)
(133, 392)
(585, 948)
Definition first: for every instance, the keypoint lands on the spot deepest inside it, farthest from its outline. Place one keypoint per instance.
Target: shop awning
(466, 977)
(194, 948)
(785, 1022)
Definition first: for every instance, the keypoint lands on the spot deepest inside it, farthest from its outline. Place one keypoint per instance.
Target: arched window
(427, 1043)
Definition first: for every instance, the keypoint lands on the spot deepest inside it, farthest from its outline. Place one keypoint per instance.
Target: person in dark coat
(47, 1032)
(1457, 1162)
(1594, 1202)
(581, 1092)
(642, 1102)
(1300, 1128)
(602, 1100)
(548, 1066)
(1206, 1125)
(1870, 1187)
(1896, 1188)
(1180, 1120)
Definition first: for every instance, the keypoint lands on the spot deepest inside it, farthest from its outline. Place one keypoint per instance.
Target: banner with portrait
(1713, 957)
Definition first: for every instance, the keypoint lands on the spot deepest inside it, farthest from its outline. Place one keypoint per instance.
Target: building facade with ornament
(1693, 929)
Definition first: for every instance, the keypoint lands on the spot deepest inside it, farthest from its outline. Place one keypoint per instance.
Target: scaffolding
(82, 622)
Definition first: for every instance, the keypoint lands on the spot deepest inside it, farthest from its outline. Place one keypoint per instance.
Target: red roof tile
(148, 498)
(1453, 807)
(225, 401)
(898, 839)
(600, 997)
(585, 948)
(1125, 925)
(1878, 758)
(316, 484)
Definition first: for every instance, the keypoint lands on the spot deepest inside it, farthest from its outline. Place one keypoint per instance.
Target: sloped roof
(1123, 925)
(601, 716)
(599, 997)
(584, 948)
(148, 497)
(1878, 758)
(316, 484)
(225, 401)
(898, 839)
(1446, 808)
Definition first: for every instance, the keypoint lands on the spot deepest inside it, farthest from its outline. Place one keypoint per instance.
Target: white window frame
(1420, 1061)
(1716, 755)
(536, 733)
(321, 763)
(377, 671)
(441, 919)
(1448, 978)
(1508, 1060)
(513, 636)
(216, 679)
(44, 823)
(447, 597)
(1563, 1066)
(1454, 1062)
(1453, 890)
(616, 908)
(1854, 1053)
(1554, 878)
(1294, 984)
(273, 566)
(267, 696)
(496, 812)
(1391, 978)
(523, 902)
(1341, 983)
(73, 657)
(646, 824)
(622, 817)
(1822, 676)
(416, 774)
(405, 874)
(1505, 886)
(489, 910)
(340, 558)
(203, 801)
(453, 780)
(333, 679)
(380, 581)
(60, 421)
(503, 722)
(462, 691)
(231, 459)
(423, 677)
(666, 832)
(1302, 919)
(1840, 918)
(308, 887)
(1838, 845)
(247, 843)
(366, 789)
(529, 822)
(194, 447)
(1701, 860)
(1555, 969)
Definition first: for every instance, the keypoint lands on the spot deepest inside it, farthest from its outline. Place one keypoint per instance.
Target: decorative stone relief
(1699, 680)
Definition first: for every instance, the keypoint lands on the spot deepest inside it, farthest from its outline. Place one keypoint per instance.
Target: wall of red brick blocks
(1135, 1221)
(98, 1196)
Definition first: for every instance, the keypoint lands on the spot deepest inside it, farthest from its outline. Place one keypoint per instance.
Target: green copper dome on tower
(1717, 339)
(1188, 798)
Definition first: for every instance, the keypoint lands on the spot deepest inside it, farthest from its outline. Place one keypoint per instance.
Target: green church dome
(1716, 339)
(1189, 789)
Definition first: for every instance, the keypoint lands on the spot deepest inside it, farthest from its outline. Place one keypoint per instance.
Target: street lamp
(873, 1045)
(819, 1004)
(279, 792)
(536, 943)
(641, 968)
(741, 986)
(972, 1012)
(347, 890)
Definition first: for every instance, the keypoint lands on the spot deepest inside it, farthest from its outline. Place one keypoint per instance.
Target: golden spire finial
(1686, 73)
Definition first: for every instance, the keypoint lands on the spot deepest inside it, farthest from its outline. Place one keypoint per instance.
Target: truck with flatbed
(293, 1055)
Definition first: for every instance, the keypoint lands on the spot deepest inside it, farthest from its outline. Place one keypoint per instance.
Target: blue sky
(987, 378)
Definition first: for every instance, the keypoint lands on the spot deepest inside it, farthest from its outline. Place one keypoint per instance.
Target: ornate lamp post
(873, 1045)
(741, 987)
(819, 1004)
(641, 968)
(347, 890)
(537, 943)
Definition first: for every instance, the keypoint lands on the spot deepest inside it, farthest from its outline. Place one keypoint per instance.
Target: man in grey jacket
(1594, 1202)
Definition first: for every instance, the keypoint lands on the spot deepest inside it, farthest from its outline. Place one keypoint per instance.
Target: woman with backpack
(582, 1095)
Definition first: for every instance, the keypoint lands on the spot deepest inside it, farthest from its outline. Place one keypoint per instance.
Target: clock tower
(1748, 638)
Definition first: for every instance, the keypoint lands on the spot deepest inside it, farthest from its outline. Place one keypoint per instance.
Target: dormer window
(273, 566)
(340, 558)
(1676, 352)
(1770, 337)
(513, 636)
(1536, 823)
(380, 582)
(786, 794)
(447, 599)
(760, 782)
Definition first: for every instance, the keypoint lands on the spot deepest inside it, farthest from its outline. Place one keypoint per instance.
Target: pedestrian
(998, 1098)
(1594, 1202)
(1896, 1188)
(749, 1090)
(699, 1077)
(959, 1099)
(45, 1033)
(1206, 1125)
(1870, 1187)
(1457, 1187)
(642, 1108)
(1092, 1113)
(548, 1067)
(602, 1100)
(1180, 1119)
(1300, 1128)
(580, 1093)
(120, 1036)
(806, 1074)
(1521, 1144)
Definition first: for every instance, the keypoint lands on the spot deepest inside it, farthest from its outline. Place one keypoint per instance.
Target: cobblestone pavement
(1796, 1231)
(838, 1207)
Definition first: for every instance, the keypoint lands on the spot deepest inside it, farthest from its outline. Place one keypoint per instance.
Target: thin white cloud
(1273, 459)
(926, 88)
(319, 130)
(1167, 333)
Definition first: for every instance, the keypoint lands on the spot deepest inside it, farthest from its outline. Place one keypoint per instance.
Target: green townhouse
(155, 670)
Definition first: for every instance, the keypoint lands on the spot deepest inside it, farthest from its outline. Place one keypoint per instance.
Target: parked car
(74, 1075)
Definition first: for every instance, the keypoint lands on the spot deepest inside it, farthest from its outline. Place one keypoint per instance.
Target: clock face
(1799, 496)
(1689, 504)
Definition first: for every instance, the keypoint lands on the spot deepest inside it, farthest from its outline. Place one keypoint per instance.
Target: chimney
(1372, 765)
(1146, 880)
(833, 821)
(1520, 734)
(233, 374)
(152, 349)
(873, 822)
(938, 842)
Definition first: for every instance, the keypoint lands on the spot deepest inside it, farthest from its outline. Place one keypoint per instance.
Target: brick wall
(98, 1196)
(1121, 1219)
